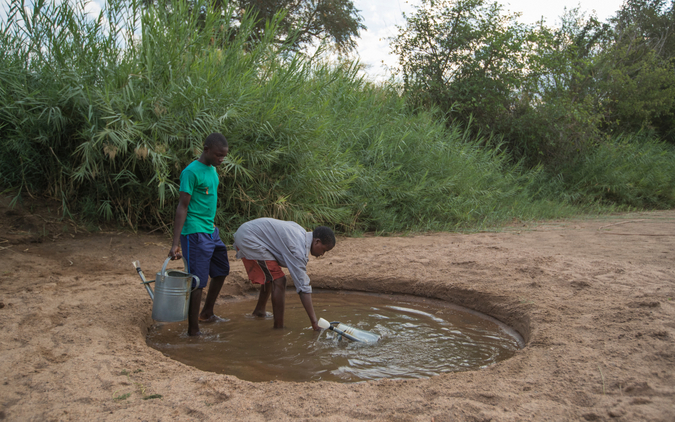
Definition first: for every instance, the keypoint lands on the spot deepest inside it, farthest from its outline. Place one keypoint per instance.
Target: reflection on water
(420, 338)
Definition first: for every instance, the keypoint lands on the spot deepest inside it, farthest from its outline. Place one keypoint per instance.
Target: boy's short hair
(325, 235)
(215, 139)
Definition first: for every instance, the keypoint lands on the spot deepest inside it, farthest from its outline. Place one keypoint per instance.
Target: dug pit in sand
(419, 338)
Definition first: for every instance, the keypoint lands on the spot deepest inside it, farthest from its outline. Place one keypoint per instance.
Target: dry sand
(593, 298)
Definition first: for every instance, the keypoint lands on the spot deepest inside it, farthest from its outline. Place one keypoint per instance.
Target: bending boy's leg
(263, 273)
(193, 312)
(212, 294)
(279, 301)
(265, 291)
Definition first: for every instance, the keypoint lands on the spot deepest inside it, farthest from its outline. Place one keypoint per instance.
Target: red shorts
(262, 272)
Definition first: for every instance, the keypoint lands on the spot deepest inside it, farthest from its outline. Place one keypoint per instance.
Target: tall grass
(103, 113)
(632, 171)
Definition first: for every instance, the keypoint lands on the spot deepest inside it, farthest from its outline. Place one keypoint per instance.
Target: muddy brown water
(420, 338)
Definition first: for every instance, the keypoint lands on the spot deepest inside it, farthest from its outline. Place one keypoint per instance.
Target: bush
(635, 171)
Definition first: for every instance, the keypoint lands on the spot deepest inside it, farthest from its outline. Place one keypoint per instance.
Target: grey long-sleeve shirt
(286, 242)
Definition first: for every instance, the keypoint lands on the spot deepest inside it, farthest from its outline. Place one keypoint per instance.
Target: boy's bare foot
(212, 318)
(262, 314)
(198, 333)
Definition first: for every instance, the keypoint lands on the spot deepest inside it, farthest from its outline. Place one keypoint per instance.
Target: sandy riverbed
(593, 298)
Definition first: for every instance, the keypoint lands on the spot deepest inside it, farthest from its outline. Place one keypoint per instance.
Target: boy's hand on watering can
(174, 253)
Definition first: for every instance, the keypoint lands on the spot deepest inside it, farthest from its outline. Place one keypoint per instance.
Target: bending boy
(196, 234)
(265, 245)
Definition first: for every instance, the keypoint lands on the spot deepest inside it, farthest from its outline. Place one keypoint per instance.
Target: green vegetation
(552, 95)
(633, 171)
(300, 23)
(103, 114)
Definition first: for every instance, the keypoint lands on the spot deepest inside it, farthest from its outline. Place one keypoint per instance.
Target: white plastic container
(349, 332)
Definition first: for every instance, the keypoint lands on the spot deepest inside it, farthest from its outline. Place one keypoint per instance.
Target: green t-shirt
(201, 182)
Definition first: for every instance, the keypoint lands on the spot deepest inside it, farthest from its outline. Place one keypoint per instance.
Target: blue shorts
(206, 256)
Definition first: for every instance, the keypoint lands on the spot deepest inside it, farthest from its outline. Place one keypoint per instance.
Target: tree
(464, 56)
(337, 22)
(650, 23)
(551, 95)
(638, 69)
(303, 22)
(531, 86)
(555, 118)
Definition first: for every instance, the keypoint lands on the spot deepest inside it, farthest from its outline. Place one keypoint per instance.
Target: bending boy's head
(323, 240)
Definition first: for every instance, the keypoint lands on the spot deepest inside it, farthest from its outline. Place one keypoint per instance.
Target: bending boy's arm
(306, 299)
(298, 269)
(179, 221)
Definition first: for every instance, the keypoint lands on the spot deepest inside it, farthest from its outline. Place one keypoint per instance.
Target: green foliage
(554, 119)
(637, 69)
(104, 112)
(638, 94)
(551, 95)
(635, 171)
(463, 56)
(648, 22)
(305, 22)
(552, 133)
(299, 23)
(529, 86)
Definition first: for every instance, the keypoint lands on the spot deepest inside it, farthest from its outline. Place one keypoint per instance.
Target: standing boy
(265, 245)
(195, 233)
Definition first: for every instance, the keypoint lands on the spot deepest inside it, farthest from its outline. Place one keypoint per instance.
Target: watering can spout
(137, 265)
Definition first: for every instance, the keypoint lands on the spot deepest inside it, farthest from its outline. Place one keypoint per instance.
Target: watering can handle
(185, 267)
(197, 284)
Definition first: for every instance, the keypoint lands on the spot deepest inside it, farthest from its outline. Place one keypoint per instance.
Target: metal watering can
(171, 298)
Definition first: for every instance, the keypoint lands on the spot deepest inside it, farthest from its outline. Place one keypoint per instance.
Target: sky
(382, 16)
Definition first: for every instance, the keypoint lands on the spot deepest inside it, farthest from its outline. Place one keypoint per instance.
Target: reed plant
(633, 171)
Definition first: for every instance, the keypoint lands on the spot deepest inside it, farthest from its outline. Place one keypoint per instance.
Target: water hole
(420, 338)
